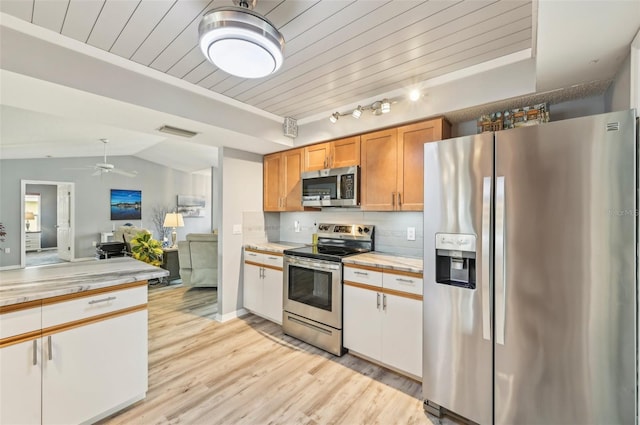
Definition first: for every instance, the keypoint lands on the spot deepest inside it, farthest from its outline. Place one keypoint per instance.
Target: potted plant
(147, 249)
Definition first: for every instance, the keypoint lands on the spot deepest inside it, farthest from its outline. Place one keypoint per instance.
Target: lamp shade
(173, 220)
(241, 42)
(29, 215)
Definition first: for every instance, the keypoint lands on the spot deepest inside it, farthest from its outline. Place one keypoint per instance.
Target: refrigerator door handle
(500, 272)
(486, 237)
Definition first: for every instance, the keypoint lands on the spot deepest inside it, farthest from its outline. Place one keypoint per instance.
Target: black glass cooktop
(325, 252)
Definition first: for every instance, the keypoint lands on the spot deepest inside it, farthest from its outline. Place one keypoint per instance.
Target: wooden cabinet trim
(385, 270)
(91, 292)
(384, 290)
(266, 266)
(261, 251)
(93, 319)
(20, 306)
(17, 339)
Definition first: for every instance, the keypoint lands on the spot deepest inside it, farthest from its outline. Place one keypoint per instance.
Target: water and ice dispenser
(456, 259)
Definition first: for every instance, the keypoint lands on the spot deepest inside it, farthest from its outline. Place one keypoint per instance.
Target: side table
(170, 262)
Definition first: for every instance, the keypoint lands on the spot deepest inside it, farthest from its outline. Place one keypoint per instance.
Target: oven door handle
(312, 264)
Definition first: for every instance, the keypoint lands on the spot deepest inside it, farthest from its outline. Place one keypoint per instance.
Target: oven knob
(366, 230)
(359, 229)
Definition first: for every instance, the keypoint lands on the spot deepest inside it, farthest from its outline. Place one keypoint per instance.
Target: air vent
(177, 131)
(613, 126)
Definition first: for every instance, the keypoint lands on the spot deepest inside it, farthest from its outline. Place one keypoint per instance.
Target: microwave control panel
(347, 183)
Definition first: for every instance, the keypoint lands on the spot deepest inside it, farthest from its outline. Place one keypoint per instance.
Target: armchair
(126, 233)
(198, 257)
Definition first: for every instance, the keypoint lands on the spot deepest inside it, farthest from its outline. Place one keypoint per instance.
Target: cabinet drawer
(272, 260)
(94, 305)
(19, 322)
(254, 257)
(367, 277)
(402, 283)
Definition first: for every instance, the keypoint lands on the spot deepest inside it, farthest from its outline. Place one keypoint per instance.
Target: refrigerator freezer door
(457, 351)
(569, 353)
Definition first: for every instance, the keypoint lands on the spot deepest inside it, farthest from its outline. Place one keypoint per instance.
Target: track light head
(334, 117)
(357, 112)
(385, 106)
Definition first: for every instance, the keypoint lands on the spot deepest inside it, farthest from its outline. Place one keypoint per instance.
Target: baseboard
(77, 260)
(15, 266)
(233, 315)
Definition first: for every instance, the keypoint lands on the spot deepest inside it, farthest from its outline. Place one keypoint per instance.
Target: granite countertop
(273, 246)
(386, 261)
(22, 285)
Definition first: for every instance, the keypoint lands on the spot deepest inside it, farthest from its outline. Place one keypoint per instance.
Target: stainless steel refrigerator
(530, 284)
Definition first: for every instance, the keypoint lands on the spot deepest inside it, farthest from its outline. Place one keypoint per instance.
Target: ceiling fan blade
(97, 172)
(124, 173)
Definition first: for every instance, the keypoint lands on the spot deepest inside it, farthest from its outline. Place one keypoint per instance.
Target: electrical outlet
(296, 226)
(237, 229)
(411, 233)
(94, 243)
(7, 250)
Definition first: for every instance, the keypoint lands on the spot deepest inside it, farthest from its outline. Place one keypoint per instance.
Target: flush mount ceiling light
(240, 41)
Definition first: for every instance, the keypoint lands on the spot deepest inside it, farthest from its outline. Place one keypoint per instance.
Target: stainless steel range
(313, 284)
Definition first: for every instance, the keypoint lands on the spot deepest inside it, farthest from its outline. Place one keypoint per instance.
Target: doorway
(48, 212)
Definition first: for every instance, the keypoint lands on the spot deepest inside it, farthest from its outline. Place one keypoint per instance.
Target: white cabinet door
(402, 334)
(94, 368)
(252, 291)
(20, 381)
(272, 294)
(362, 323)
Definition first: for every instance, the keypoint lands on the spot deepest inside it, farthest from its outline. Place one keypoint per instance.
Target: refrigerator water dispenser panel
(456, 259)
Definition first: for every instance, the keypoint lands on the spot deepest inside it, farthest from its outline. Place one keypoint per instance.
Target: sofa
(198, 256)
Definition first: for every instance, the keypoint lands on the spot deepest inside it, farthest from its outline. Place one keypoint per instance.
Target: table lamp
(28, 216)
(173, 220)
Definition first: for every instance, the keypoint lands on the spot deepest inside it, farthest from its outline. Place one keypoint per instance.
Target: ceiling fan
(105, 167)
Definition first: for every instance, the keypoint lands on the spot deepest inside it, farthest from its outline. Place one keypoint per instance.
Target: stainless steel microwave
(331, 187)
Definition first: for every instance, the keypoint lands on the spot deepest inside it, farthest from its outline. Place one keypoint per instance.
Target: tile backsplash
(390, 227)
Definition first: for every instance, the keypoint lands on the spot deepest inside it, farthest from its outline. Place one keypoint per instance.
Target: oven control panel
(345, 231)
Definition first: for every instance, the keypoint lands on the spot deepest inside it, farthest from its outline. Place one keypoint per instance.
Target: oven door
(313, 289)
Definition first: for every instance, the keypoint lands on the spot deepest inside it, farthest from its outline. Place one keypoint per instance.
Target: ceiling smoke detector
(240, 41)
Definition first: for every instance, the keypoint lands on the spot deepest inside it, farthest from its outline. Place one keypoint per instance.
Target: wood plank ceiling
(337, 51)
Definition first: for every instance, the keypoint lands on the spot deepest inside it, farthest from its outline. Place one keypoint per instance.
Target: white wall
(618, 96)
(160, 186)
(240, 183)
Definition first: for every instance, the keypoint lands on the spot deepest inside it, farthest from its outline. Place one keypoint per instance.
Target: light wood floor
(246, 371)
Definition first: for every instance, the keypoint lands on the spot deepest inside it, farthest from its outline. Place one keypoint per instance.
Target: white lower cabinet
(263, 284)
(20, 383)
(94, 368)
(83, 368)
(382, 323)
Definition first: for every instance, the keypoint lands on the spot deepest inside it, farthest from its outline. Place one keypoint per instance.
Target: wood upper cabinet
(282, 186)
(392, 165)
(335, 154)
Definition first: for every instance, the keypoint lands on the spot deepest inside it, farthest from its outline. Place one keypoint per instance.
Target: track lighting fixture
(378, 107)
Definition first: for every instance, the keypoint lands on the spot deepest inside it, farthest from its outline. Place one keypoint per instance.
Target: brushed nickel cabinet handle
(103, 300)
(393, 199)
(362, 273)
(384, 302)
(35, 352)
(399, 279)
(399, 199)
(377, 300)
(50, 347)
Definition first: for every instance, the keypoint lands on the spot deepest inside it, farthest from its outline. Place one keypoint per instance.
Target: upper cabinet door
(345, 152)
(273, 168)
(411, 140)
(316, 157)
(379, 162)
(291, 183)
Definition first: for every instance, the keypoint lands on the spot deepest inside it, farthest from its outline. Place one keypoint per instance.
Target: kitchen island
(73, 340)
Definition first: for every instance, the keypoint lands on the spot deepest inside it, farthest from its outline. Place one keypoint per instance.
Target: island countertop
(22, 285)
